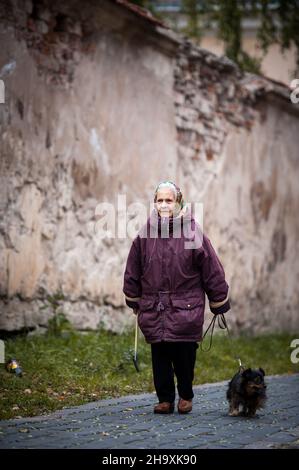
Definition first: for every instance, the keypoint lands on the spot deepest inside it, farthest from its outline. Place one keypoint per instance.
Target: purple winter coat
(167, 282)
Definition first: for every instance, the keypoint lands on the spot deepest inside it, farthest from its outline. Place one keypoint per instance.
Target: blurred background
(104, 99)
(260, 35)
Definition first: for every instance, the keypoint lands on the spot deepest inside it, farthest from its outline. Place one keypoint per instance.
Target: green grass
(62, 371)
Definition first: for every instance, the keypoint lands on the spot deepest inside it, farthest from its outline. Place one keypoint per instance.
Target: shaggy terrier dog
(247, 390)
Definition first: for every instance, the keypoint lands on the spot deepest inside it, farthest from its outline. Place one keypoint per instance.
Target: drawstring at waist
(160, 307)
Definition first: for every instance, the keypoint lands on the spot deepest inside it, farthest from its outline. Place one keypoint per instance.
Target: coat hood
(183, 225)
(157, 226)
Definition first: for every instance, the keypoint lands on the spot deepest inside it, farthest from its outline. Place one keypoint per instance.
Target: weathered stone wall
(89, 103)
(238, 154)
(100, 102)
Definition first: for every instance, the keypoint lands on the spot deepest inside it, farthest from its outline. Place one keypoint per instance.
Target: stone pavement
(129, 423)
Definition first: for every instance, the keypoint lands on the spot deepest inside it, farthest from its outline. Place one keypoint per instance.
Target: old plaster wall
(100, 103)
(88, 104)
(238, 155)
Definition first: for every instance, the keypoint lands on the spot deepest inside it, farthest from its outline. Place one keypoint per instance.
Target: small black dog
(247, 388)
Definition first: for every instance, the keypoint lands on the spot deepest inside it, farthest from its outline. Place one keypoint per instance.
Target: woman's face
(165, 202)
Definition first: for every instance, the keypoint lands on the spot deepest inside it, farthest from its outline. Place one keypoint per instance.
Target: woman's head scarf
(176, 191)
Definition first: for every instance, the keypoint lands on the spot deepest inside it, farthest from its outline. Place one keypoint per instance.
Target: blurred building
(275, 64)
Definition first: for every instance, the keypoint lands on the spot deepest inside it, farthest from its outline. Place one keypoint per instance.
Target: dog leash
(222, 324)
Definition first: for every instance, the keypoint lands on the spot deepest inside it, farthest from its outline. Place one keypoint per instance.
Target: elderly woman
(170, 267)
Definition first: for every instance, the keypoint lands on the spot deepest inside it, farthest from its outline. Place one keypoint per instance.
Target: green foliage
(229, 15)
(62, 371)
(248, 63)
(141, 3)
(58, 323)
(148, 4)
(193, 12)
(278, 24)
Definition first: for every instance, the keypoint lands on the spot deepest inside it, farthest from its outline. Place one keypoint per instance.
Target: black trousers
(169, 359)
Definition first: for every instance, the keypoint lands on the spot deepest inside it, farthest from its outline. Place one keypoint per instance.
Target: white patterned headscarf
(176, 191)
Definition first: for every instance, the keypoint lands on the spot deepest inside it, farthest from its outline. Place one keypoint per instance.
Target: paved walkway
(129, 423)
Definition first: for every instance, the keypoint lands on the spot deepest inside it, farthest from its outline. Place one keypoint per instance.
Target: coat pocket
(186, 304)
(149, 320)
(187, 316)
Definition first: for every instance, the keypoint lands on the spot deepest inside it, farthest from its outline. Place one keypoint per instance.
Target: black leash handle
(222, 325)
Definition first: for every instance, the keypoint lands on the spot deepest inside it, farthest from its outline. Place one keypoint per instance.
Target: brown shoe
(184, 406)
(164, 408)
